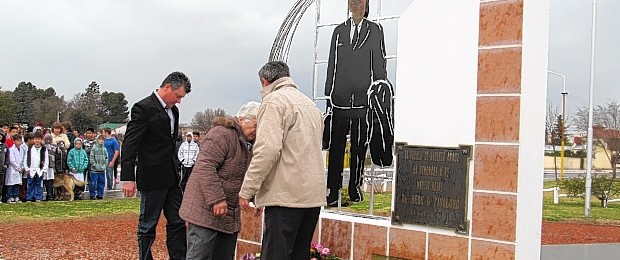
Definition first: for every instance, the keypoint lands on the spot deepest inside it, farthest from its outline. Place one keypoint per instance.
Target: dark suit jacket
(148, 140)
(353, 67)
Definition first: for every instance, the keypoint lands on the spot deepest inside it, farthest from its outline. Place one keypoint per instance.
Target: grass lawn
(569, 209)
(62, 209)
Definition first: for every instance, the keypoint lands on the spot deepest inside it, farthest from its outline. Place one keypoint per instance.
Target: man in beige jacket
(287, 174)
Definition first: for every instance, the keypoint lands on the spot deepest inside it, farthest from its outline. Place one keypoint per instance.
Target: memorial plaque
(432, 186)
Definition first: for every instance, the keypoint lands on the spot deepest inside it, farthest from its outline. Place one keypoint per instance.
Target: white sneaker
(11, 200)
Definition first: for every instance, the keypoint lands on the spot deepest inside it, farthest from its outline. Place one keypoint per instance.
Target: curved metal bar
(282, 43)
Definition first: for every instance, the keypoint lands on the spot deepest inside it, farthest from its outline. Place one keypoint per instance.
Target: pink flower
(318, 247)
(248, 256)
(325, 251)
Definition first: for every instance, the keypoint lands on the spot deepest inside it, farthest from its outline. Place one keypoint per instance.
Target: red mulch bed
(559, 233)
(115, 238)
(112, 237)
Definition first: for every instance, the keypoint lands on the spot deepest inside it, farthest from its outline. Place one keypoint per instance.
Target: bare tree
(606, 129)
(550, 133)
(202, 121)
(550, 122)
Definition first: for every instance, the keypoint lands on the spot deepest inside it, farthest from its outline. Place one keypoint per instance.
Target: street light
(590, 116)
(563, 128)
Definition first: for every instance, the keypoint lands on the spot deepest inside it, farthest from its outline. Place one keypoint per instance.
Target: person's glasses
(251, 122)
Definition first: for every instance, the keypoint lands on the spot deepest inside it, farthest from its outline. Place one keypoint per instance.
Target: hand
(73, 171)
(245, 204)
(258, 212)
(129, 189)
(111, 164)
(220, 209)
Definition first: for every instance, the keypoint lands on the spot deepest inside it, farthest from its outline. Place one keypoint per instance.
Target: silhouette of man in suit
(359, 100)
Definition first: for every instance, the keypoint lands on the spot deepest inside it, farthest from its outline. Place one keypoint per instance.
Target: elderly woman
(210, 202)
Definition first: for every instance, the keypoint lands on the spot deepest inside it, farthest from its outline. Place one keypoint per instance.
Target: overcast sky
(130, 46)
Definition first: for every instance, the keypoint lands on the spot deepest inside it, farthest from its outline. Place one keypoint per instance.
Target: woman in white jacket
(17, 159)
(188, 152)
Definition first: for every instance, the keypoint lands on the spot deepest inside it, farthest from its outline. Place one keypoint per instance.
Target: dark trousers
(49, 189)
(152, 202)
(288, 232)
(344, 122)
(77, 192)
(2, 188)
(208, 244)
(22, 189)
(185, 172)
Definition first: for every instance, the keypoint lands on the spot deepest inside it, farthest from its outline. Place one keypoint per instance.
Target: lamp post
(590, 116)
(563, 127)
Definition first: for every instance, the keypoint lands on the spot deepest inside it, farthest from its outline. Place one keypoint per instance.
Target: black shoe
(356, 197)
(78, 198)
(92, 198)
(99, 198)
(332, 200)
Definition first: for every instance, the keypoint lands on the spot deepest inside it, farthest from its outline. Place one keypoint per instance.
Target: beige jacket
(287, 168)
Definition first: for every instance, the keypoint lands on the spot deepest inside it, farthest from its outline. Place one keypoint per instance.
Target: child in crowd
(113, 148)
(3, 150)
(87, 145)
(58, 135)
(98, 164)
(196, 138)
(48, 179)
(9, 135)
(77, 160)
(37, 165)
(17, 159)
(28, 141)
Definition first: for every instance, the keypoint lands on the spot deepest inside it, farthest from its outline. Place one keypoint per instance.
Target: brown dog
(65, 183)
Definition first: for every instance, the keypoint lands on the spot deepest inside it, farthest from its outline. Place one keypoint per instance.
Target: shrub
(603, 187)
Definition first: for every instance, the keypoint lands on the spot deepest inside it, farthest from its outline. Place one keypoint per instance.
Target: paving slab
(580, 252)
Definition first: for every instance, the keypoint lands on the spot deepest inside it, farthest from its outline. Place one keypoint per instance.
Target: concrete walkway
(581, 252)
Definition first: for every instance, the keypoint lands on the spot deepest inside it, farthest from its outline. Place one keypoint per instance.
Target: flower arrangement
(317, 252)
(250, 256)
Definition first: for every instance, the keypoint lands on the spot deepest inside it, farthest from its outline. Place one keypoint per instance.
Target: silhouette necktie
(355, 35)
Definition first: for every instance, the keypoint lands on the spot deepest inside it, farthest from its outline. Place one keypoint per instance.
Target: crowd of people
(31, 157)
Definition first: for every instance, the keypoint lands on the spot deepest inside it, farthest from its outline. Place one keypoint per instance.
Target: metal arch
(282, 43)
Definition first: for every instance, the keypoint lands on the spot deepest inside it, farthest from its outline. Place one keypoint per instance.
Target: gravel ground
(115, 238)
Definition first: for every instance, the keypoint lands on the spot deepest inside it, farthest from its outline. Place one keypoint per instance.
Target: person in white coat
(37, 165)
(17, 159)
(48, 178)
(188, 152)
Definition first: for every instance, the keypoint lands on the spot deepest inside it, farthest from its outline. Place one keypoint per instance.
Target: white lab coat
(17, 159)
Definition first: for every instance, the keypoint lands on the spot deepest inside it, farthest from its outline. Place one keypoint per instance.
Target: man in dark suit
(150, 139)
(356, 62)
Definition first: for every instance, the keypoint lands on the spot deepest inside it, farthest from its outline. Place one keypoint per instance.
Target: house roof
(110, 125)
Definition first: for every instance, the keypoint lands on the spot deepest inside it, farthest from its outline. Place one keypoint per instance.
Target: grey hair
(176, 80)
(273, 71)
(249, 110)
